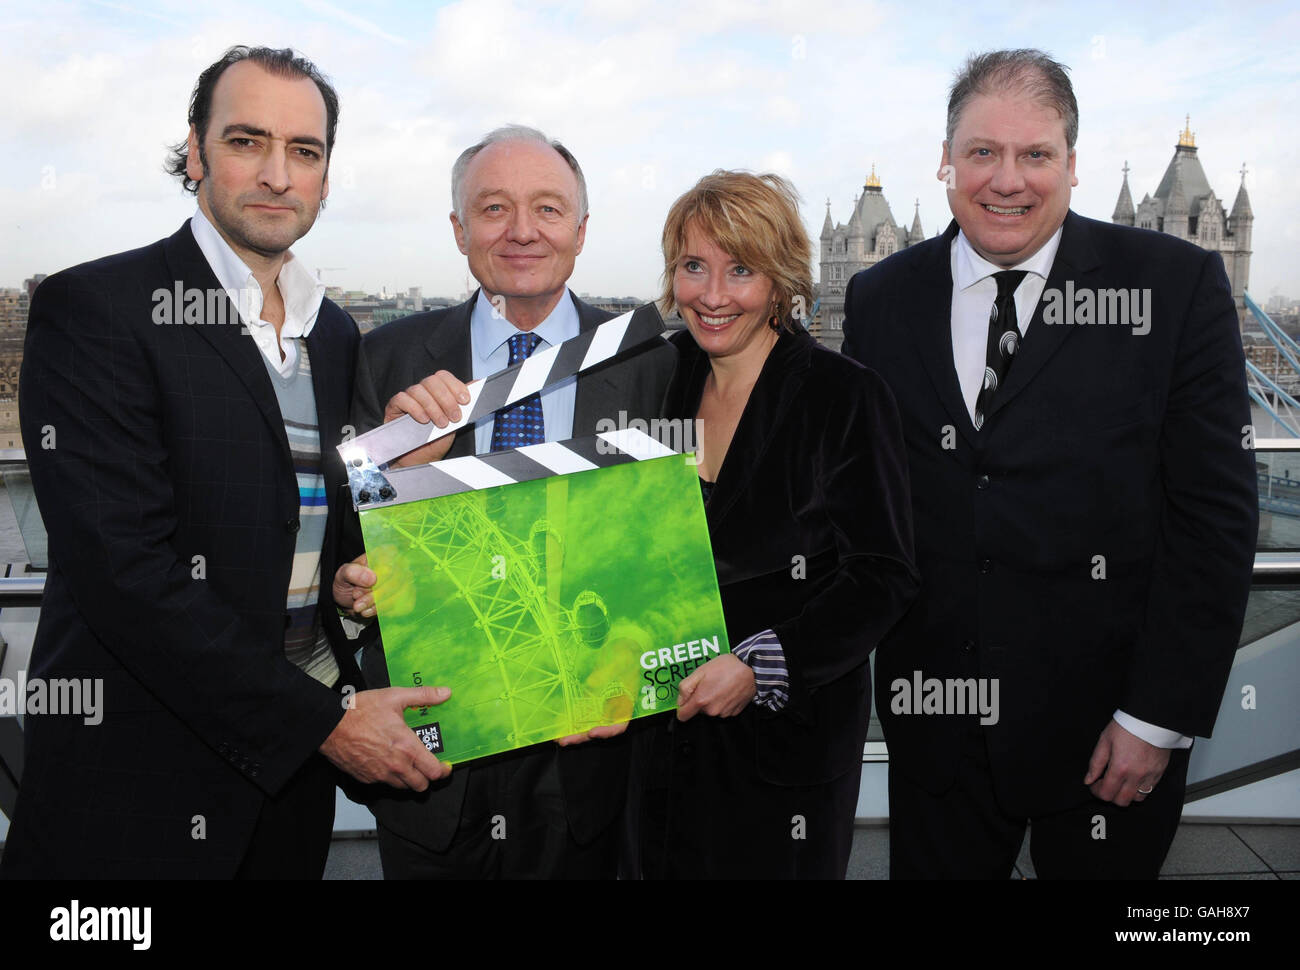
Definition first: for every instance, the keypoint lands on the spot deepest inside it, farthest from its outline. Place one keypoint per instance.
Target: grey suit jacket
(593, 777)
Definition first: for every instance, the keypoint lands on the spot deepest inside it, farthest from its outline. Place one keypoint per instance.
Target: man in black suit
(1085, 504)
(180, 405)
(521, 218)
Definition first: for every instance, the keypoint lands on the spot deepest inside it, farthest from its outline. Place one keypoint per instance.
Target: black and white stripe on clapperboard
(526, 464)
(366, 456)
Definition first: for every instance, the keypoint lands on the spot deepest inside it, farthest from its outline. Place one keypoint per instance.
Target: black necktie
(1004, 339)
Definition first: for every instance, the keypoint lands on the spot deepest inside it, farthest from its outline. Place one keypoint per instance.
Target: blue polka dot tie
(521, 423)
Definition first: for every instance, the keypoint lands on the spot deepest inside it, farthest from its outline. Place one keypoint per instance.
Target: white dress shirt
(973, 292)
(490, 333)
(300, 290)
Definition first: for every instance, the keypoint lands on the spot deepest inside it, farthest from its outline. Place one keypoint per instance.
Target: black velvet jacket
(811, 526)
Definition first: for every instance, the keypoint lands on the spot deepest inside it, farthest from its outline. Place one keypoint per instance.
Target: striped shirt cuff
(763, 654)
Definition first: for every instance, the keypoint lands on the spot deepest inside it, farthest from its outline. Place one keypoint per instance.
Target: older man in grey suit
(521, 218)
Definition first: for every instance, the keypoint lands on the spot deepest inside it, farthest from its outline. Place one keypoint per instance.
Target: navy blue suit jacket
(1104, 449)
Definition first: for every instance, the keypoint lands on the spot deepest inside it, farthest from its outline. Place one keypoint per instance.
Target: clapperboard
(553, 587)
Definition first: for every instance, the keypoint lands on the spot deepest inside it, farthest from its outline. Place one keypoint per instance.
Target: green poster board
(547, 606)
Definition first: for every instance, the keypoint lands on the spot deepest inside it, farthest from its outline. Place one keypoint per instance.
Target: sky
(648, 95)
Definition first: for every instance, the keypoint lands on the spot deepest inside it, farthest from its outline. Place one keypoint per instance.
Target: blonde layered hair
(755, 220)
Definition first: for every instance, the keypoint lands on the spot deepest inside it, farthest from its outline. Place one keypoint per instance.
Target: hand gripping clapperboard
(553, 587)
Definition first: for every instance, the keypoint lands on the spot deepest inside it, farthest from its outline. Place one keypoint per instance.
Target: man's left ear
(582, 233)
(193, 156)
(1074, 179)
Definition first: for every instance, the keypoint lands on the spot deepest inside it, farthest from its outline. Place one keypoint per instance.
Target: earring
(774, 321)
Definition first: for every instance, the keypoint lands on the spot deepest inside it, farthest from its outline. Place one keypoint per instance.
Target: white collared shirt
(300, 290)
(490, 333)
(973, 292)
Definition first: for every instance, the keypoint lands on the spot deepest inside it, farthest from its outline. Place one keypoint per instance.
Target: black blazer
(1101, 443)
(166, 444)
(812, 537)
(593, 776)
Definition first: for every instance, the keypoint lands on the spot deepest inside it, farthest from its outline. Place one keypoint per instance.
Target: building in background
(15, 302)
(1185, 206)
(616, 305)
(869, 236)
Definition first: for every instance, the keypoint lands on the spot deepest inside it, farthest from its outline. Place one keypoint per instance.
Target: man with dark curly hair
(188, 397)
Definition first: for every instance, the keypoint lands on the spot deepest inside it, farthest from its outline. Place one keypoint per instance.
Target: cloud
(650, 96)
(352, 20)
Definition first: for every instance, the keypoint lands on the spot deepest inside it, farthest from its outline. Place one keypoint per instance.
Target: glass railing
(1257, 734)
(1277, 464)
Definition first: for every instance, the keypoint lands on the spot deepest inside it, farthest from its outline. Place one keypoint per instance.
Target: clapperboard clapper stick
(366, 456)
(525, 464)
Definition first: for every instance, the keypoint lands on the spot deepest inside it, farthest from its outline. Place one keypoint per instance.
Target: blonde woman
(804, 474)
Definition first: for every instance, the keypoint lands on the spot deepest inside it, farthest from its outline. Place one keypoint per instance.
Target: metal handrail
(1274, 563)
(1273, 570)
(22, 590)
